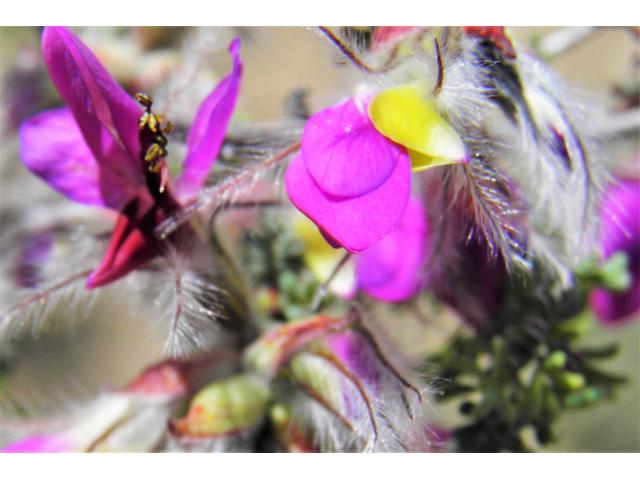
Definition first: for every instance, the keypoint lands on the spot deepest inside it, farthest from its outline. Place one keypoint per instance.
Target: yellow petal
(322, 258)
(420, 161)
(407, 117)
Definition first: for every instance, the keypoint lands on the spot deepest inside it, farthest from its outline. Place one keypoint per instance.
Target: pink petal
(614, 307)
(355, 223)
(620, 216)
(620, 231)
(209, 128)
(390, 269)
(40, 444)
(132, 244)
(52, 147)
(343, 151)
(105, 113)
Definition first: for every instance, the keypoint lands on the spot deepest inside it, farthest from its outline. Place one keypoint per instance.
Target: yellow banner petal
(405, 115)
(420, 161)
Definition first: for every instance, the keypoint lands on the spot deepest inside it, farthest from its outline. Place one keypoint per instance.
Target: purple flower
(94, 151)
(620, 232)
(346, 173)
(353, 174)
(390, 269)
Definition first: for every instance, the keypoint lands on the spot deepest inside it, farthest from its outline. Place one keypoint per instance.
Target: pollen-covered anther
(152, 138)
(145, 100)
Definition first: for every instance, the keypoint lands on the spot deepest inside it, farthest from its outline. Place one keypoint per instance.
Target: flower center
(153, 142)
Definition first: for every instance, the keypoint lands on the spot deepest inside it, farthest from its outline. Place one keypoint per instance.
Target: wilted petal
(383, 37)
(271, 351)
(34, 253)
(53, 148)
(405, 115)
(474, 285)
(167, 378)
(355, 223)
(104, 112)
(620, 232)
(209, 128)
(344, 153)
(390, 269)
(347, 396)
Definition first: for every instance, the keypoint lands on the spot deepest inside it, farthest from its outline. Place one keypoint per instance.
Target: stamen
(153, 140)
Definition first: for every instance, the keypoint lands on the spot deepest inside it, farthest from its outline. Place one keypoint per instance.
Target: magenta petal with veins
(52, 147)
(357, 222)
(209, 127)
(344, 153)
(105, 114)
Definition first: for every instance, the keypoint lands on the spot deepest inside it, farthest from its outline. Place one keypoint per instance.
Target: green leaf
(595, 377)
(614, 273)
(585, 398)
(533, 400)
(577, 326)
(606, 351)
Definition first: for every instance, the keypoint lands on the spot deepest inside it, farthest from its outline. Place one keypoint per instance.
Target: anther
(153, 153)
(145, 100)
(153, 122)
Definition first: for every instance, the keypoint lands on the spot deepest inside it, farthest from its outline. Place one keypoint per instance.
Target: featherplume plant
(298, 269)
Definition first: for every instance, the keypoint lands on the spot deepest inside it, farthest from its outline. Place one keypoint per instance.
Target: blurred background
(284, 69)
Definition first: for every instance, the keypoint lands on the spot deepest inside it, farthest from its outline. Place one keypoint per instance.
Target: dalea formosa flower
(620, 233)
(353, 174)
(105, 150)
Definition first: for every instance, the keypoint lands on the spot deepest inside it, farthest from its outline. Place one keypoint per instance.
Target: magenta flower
(620, 232)
(353, 174)
(390, 269)
(346, 173)
(94, 151)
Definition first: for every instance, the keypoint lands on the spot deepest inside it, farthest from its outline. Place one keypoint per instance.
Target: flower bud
(227, 407)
